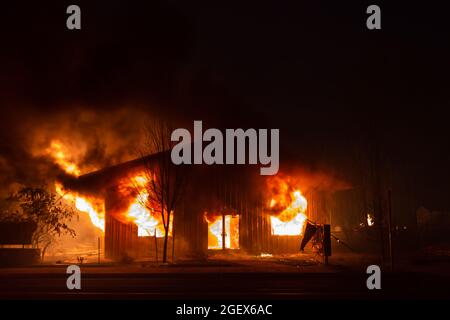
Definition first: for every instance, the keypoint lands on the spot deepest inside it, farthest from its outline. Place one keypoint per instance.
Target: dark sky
(310, 68)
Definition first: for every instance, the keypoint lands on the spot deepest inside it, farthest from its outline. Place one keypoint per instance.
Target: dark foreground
(241, 281)
(229, 286)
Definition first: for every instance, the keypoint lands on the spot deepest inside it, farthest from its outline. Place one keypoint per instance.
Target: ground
(282, 277)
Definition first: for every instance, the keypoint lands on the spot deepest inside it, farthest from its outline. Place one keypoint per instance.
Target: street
(238, 280)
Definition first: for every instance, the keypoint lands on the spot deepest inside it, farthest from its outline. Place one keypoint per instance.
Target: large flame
(148, 220)
(290, 207)
(216, 229)
(94, 207)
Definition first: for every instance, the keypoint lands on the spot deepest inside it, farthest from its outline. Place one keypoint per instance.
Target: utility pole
(391, 252)
(376, 185)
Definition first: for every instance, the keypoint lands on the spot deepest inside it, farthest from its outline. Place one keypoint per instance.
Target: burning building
(222, 208)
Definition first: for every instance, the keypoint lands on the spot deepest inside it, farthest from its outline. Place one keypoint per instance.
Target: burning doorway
(290, 220)
(223, 231)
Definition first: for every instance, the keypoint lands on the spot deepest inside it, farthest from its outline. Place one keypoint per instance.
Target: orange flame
(57, 151)
(216, 228)
(291, 207)
(140, 212)
(94, 207)
(149, 222)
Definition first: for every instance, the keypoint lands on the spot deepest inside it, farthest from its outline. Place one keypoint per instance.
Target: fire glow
(217, 231)
(148, 221)
(143, 215)
(291, 207)
(57, 151)
(94, 207)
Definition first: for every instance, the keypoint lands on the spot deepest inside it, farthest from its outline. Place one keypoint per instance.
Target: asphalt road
(216, 284)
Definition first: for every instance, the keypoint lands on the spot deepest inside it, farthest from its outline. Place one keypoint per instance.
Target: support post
(156, 247)
(326, 242)
(98, 250)
(223, 232)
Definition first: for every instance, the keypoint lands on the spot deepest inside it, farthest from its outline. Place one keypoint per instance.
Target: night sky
(310, 68)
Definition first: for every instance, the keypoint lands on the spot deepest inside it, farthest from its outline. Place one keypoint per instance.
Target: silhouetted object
(17, 257)
(326, 241)
(310, 231)
(16, 232)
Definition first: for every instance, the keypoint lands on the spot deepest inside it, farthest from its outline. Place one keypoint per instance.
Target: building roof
(97, 181)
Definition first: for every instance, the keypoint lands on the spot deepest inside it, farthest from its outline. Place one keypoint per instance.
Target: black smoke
(313, 70)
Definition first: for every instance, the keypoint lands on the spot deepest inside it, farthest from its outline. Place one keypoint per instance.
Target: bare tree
(164, 181)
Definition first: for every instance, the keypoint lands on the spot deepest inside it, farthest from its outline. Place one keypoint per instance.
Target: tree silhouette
(45, 210)
(164, 181)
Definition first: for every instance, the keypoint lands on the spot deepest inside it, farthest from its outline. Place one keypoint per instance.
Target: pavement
(287, 277)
